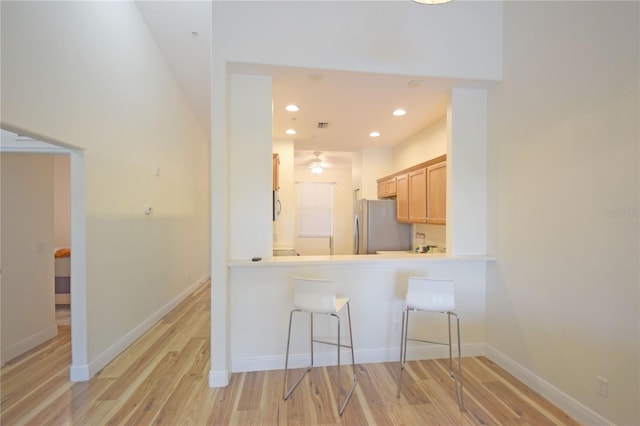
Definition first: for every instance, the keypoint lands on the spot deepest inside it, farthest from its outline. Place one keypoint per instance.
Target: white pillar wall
(467, 172)
(247, 229)
(250, 150)
(220, 370)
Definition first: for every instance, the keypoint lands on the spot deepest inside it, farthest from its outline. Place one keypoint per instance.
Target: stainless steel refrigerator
(375, 228)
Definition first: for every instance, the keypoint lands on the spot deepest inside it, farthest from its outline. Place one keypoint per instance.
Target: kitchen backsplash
(434, 235)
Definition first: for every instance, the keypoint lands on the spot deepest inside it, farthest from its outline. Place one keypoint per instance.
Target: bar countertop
(387, 257)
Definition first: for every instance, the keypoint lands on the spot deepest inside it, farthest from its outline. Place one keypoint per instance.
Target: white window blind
(315, 209)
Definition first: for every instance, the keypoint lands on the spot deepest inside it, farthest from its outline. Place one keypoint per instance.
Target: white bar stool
(431, 295)
(317, 296)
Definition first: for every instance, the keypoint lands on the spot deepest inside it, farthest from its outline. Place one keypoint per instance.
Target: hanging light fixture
(316, 165)
(316, 170)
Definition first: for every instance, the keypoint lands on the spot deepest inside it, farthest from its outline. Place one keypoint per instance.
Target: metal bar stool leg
(353, 362)
(457, 377)
(403, 347)
(287, 392)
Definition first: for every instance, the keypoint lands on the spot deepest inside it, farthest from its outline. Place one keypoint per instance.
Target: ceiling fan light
(316, 170)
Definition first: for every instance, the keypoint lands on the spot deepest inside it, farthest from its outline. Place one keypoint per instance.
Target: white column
(467, 172)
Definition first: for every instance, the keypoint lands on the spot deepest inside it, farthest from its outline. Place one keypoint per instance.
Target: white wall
(89, 75)
(28, 306)
(428, 143)
(376, 163)
(563, 297)
(467, 172)
(250, 133)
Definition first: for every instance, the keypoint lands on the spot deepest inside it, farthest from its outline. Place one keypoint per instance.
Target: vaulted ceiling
(352, 104)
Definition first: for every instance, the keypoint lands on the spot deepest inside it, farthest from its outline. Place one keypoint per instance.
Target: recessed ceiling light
(292, 108)
(290, 131)
(399, 112)
(374, 134)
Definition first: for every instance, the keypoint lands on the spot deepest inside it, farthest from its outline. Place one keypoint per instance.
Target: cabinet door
(276, 172)
(382, 189)
(402, 198)
(418, 196)
(391, 187)
(387, 188)
(437, 194)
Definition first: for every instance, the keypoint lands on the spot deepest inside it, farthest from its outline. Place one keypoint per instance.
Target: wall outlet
(602, 386)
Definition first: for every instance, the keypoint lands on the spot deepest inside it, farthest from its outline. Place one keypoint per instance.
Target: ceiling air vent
(323, 124)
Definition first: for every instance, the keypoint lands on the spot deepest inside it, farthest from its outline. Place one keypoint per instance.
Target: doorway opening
(21, 142)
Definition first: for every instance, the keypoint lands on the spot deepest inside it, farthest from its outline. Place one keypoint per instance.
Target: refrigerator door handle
(356, 235)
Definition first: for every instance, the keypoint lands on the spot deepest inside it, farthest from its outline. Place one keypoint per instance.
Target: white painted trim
(117, 348)
(328, 357)
(78, 221)
(560, 399)
(219, 378)
(30, 342)
(79, 373)
(33, 150)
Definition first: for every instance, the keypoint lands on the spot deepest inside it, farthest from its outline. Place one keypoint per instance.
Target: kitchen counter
(409, 252)
(375, 283)
(384, 257)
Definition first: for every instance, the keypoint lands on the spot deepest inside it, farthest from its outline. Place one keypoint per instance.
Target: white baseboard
(29, 343)
(571, 406)
(117, 348)
(265, 363)
(79, 373)
(219, 378)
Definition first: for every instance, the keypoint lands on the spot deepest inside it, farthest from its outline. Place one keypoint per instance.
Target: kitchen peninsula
(374, 283)
(251, 301)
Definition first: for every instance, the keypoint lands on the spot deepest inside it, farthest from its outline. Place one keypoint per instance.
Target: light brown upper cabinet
(437, 194)
(387, 187)
(402, 198)
(420, 192)
(276, 172)
(418, 196)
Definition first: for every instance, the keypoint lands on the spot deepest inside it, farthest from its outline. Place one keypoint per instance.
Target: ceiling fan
(317, 166)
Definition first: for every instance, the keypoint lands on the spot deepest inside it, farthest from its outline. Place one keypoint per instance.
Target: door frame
(79, 369)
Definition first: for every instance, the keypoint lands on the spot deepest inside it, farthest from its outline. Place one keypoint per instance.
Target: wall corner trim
(79, 373)
(29, 343)
(570, 405)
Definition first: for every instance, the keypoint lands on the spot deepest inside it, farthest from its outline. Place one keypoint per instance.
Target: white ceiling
(354, 104)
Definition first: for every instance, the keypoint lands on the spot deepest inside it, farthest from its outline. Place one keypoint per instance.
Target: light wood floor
(162, 379)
